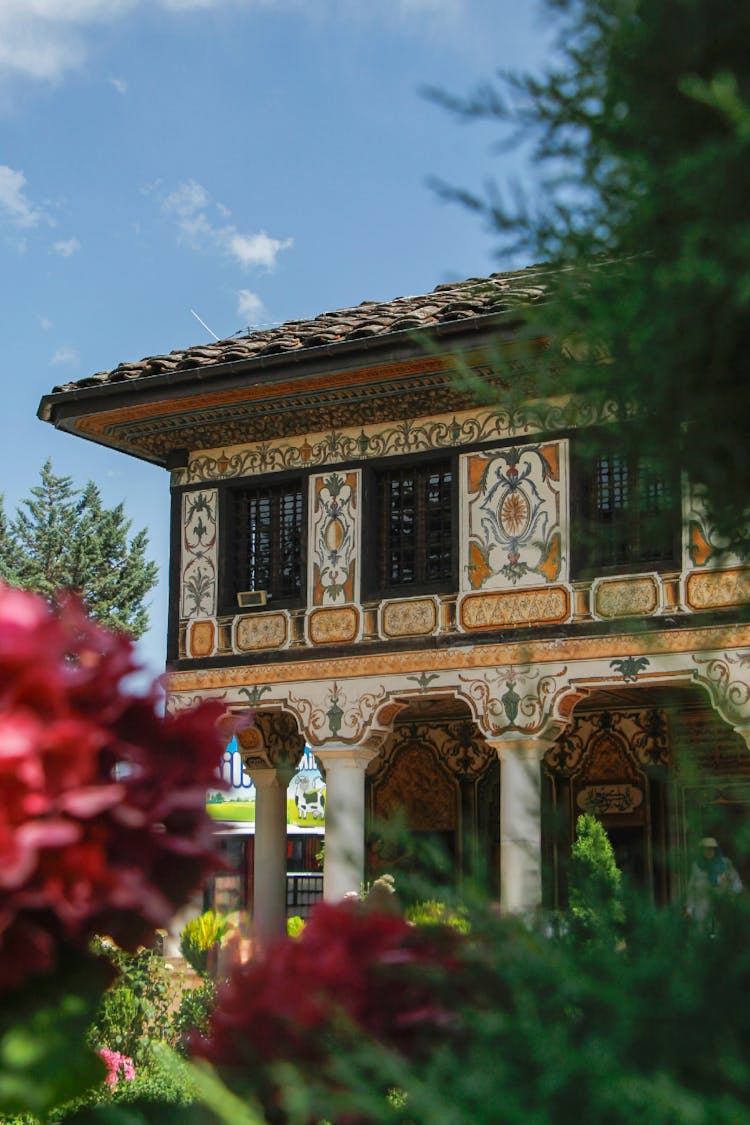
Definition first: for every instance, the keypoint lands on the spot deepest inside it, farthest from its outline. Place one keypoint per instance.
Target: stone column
(520, 820)
(344, 866)
(269, 861)
(743, 730)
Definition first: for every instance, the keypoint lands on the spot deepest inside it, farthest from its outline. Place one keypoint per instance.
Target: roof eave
(60, 406)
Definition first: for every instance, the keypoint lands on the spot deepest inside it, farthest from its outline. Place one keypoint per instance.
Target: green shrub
(435, 913)
(200, 935)
(139, 1005)
(595, 888)
(294, 926)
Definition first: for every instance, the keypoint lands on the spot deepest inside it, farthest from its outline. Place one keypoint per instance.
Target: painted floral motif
(513, 698)
(513, 501)
(334, 538)
(199, 554)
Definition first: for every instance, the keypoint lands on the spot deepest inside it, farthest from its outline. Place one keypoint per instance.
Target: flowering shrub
(103, 829)
(117, 1065)
(349, 969)
(99, 795)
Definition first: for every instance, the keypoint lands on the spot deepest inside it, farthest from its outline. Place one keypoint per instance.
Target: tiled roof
(371, 320)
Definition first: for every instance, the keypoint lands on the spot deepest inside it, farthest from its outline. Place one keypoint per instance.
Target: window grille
(267, 525)
(629, 513)
(415, 526)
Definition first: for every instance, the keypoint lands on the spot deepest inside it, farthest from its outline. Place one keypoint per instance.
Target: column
(344, 866)
(520, 821)
(743, 730)
(269, 861)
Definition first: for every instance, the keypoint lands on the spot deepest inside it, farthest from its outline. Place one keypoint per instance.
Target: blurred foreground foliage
(639, 130)
(614, 1011)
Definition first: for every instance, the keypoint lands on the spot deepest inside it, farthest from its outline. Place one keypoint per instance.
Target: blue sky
(252, 160)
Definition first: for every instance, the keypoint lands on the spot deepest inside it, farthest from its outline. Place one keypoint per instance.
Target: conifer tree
(64, 538)
(595, 891)
(640, 132)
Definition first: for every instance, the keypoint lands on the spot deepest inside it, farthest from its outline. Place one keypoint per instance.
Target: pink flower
(117, 1063)
(103, 826)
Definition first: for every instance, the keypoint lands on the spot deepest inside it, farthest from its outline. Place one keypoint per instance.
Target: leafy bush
(433, 912)
(200, 935)
(506, 1025)
(294, 926)
(595, 887)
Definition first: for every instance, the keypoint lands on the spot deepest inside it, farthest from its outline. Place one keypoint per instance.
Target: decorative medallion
(261, 630)
(547, 606)
(626, 597)
(514, 502)
(416, 617)
(333, 626)
(716, 589)
(201, 638)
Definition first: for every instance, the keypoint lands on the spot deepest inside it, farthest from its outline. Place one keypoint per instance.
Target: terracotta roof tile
(459, 301)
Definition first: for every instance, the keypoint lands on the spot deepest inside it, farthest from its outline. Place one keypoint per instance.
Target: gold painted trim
(257, 621)
(642, 589)
(469, 656)
(720, 588)
(327, 625)
(202, 638)
(393, 608)
(507, 609)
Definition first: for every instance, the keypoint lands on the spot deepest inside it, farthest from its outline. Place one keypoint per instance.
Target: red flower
(102, 802)
(377, 971)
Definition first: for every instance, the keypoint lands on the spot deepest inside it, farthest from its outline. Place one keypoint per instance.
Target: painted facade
(490, 705)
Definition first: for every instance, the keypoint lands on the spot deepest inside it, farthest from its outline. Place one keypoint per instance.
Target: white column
(743, 730)
(520, 821)
(344, 865)
(269, 861)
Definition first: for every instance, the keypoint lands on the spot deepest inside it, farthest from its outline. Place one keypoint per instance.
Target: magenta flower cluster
(103, 827)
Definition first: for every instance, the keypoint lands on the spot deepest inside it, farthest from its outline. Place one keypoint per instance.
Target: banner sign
(306, 795)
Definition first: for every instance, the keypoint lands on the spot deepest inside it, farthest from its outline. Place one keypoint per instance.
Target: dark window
(628, 512)
(267, 539)
(415, 526)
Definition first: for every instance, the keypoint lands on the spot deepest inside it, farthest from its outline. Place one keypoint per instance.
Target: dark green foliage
(148, 1002)
(44, 1057)
(552, 1030)
(640, 128)
(64, 538)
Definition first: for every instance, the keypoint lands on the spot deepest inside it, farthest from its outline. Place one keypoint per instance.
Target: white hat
(709, 842)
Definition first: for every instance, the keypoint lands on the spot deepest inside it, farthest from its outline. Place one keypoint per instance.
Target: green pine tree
(64, 538)
(640, 129)
(594, 890)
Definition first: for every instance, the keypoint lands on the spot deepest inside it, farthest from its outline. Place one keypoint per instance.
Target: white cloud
(65, 356)
(44, 323)
(250, 308)
(46, 39)
(192, 207)
(120, 85)
(256, 249)
(66, 247)
(189, 198)
(15, 206)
